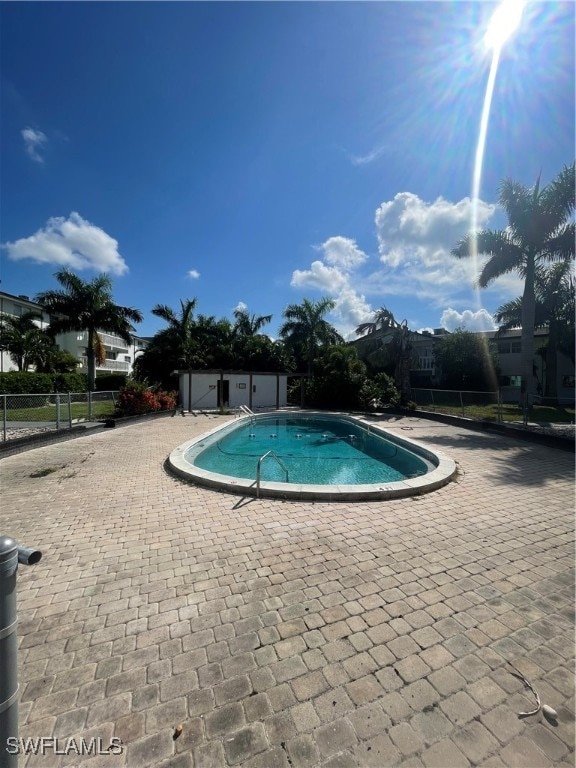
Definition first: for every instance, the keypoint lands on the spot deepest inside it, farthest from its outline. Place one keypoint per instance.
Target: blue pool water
(314, 450)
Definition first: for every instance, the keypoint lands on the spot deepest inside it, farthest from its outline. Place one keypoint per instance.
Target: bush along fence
(27, 414)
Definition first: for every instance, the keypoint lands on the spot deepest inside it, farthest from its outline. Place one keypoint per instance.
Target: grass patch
(48, 412)
(540, 414)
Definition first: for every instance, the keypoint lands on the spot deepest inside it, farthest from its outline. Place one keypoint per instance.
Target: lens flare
(504, 22)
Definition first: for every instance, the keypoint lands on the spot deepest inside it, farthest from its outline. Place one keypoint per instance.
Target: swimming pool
(310, 456)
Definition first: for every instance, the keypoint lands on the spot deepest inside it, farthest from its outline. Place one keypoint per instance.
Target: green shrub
(379, 391)
(110, 382)
(25, 383)
(70, 382)
(30, 383)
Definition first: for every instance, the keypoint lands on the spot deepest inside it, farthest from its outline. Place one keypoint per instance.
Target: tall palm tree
(306, 329)
(88, 306)
(395, 341)
(554, 308)
(540, 230)
(181, 329)
(249, 325)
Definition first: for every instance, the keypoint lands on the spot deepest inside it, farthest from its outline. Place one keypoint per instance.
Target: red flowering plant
(135, 399)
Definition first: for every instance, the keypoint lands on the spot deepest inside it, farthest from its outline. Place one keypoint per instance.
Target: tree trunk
(403, 366)
(91, 363)
(527, 340)
(552, 361)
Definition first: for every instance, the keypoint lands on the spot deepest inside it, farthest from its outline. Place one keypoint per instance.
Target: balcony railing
(109, 365)
(113, 341)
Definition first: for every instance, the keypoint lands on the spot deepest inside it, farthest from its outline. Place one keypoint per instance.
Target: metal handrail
(246, 410)
(259, 465)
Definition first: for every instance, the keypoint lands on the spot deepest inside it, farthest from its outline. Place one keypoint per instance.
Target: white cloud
(342, 252)
(319, 276)
(193, 274)
(33, 143)
(415, 239)
(481, 320)
(412, 230)
(74, 243)
(240, 307)
(351, 311)
(367, 158)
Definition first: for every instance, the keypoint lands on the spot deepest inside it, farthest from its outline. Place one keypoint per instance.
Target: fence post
(70, 410)
(4, 414)
(57, 412)
(10, 555)
(461, 403)
(432, 398)
(89, 405)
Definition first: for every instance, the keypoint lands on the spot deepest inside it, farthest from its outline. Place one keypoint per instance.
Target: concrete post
(10, 555)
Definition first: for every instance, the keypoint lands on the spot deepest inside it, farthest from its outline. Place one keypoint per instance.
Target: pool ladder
(259, 466)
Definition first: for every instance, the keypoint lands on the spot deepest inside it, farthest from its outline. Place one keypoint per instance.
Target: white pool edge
(444, 471)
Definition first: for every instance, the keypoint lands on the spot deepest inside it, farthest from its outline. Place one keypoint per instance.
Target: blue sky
(258, 153)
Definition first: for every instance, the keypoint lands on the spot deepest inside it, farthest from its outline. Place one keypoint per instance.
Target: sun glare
(504, 22)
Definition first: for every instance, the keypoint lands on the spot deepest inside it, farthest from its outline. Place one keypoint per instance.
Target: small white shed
(215, 389)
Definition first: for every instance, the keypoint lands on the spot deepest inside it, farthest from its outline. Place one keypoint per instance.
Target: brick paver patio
(293, 634)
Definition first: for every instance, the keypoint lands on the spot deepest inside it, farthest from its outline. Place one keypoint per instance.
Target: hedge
(29, 383)
(110, 382)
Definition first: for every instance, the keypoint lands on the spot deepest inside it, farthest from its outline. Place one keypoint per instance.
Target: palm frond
(509, 315)
(164, 312)
(558, 197)
(519, 204)
(561, 245)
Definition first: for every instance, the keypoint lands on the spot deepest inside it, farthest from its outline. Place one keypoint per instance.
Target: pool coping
(444, 471)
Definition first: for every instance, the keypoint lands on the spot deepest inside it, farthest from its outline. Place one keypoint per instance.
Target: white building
(214, 389)
(119, 355)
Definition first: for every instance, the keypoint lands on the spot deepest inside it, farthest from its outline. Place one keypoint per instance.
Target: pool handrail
(259, 465)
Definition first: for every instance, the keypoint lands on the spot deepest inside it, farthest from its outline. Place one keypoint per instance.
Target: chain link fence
(24, 415)
(472, 405)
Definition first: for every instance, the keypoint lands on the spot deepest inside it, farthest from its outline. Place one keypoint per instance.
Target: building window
(503, 347)
(516, 346)
(510, 381)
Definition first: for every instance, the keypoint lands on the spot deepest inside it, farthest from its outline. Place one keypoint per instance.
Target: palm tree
(181, 330)
(213, 342)
(22, 339)
(554, 308)
(540, 230)
(249, 325)
(305, 328)
(395, 341)
(88, 306)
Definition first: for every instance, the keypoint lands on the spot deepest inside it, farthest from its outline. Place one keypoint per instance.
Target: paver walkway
(293, 634)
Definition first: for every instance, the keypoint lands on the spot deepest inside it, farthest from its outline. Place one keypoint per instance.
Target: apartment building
(425, 372)
(120, 356)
